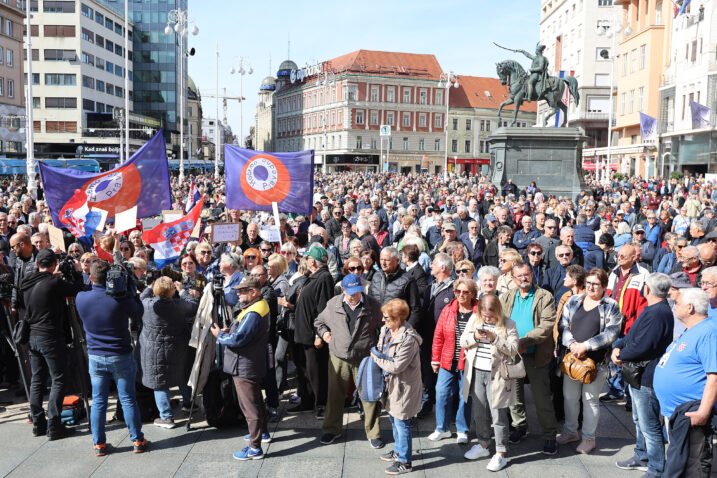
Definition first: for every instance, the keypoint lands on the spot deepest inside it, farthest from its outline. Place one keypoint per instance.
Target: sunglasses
(124, 249)
(536, 253)
(355, 269)
(462, 292)
(250, 257)
(463, 271)
(266, 250)
(204, 253)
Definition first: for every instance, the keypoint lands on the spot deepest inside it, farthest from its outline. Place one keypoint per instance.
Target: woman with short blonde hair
(507, 259)
(163, 287)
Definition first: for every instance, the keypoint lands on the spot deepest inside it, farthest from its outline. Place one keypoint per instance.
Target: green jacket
(543, 321)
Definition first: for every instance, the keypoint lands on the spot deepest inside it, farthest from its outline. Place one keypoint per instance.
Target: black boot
(39, 429)
(57, 431)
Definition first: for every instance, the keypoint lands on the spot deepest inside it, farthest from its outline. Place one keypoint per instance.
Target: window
(438, 121)
(100, 86)
(405, 144)
(632, 101)
(59, 30)
(88, 105)
(8, 28)
(455, 124)
(598, 104)
(390, 95)
(11, 88)
(61, 126)
(99, 107)
(2, 86)
(100, 41)
(36, 102)
(421, 144)
(468, 146)
(658, 13)
(604, 3)
(422, 97)
(88, 82)
(624, 64)
(454, 146)
(109, 46)
(110, 89)
(55, 79)
(643, 54)
(118, 70)
(100, 63)
(640, 98)
(374, 117)
(118, 50)
(389, 118)
(407, 95)
(109, 23)
(87, 11)
(10, 57)
(58, 7)
(359, 142)
(406, 119)
(60, 55)
(469, 123)
(437, 145)
(87, 58)
(87, 35)
(622, 104)
(118, 92)
(439, 97)
(2, 54)
(374, 93)
(99, 18)
(359, 117)
(109, 67)
(693, 57)
(67, 103)
(35, 78)
(633, 60)
(422, 120)
(118, 29)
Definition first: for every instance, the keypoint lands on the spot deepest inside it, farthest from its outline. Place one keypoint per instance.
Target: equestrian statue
(535, 85)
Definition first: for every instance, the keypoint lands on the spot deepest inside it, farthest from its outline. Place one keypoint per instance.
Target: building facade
(78, 81)
(690, 76)
(12, 94)
(473, 116)
(263, 138)
(194, 121)
(574, 45)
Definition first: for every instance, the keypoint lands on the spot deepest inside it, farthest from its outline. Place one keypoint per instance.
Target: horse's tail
(573, 88)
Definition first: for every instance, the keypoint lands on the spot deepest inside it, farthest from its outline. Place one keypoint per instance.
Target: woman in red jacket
(447, 361)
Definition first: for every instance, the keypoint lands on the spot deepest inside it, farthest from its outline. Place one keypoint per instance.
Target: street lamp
(29, 129)
(178, 22)
(447, 80)
(241, 70)
(326, 79)
(609, 30)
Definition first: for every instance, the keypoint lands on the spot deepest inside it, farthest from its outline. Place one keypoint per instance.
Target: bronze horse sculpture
(552, 89)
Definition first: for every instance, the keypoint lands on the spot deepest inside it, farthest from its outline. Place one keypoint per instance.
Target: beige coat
(505, 347)
(403, 363)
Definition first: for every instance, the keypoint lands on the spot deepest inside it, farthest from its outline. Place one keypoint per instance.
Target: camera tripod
(23, 362)
(79, 346)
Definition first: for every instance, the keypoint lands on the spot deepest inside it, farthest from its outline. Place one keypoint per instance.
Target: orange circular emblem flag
(114, 191)
(265, 179)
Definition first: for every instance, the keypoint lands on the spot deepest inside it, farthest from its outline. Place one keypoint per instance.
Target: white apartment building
(569, 30)
(77, 75)
(690, 76)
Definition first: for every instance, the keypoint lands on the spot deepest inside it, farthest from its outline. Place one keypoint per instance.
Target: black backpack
(219, 401)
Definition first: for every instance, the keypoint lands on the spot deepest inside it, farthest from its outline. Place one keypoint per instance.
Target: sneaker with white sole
(461, 438)
(438, 436)
(565, 438)
(265, 437)
(476, 452)
(496, 463)
(165, 423)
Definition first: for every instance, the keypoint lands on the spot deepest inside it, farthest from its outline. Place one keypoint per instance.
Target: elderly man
(690, 264)
(708, 255)
(491, 227)
(260, 273)
(392, 282)
(549, 240)
(40, 241)
(554, 276)
(207, 265)
(474, 242)
(245, 360)
(709, 285)
(647, 248)
(333, 225)
(491, 256)
(526, 235)
(567, 238)
(685, 383)
(646, 341)
(434, 233)
(349, 324)
(462, 220)
(533, 311)
(449, 235)
(697, 233)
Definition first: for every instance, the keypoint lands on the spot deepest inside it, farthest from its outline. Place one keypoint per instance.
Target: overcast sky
(460, 34)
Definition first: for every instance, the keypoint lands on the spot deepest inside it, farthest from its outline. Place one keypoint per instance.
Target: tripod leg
(23, 362)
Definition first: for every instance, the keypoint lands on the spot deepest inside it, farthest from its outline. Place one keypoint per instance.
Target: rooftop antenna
(288, 46)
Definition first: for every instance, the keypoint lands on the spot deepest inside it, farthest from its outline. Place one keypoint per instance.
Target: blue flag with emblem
(700, 115)
(648, 127)
(256, 179)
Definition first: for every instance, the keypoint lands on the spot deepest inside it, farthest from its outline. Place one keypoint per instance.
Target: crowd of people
(455, 292)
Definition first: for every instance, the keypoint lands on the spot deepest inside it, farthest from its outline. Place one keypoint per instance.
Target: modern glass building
(156, 69)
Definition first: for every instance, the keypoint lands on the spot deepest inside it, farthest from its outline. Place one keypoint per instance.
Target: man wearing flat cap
(245, 359)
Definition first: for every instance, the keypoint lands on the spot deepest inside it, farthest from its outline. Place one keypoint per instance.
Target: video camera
(121, 281)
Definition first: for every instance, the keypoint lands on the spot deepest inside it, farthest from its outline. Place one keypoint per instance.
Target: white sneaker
(476, 451)
(462, 438)
(497, 463)
(438, 436)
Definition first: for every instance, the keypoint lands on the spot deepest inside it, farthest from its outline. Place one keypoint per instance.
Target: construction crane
(224, 99)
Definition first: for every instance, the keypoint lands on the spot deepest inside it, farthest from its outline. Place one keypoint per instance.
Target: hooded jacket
(44, 295)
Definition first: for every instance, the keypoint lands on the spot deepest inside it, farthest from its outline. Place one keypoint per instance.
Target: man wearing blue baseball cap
(349, 324)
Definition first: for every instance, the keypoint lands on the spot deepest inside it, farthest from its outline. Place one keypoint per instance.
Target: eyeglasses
(593, 284)
(463, 271)
(709, 285)
(535, 253)
(250, 257)
(356, 269)
(503, 260)
(688, 258)
(266, 250)
(462, 292)
(204, 253)
(261, 274)
(187, 264)
(680, 246)
(87, 261)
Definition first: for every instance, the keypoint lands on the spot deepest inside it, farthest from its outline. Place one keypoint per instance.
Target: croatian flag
(77, 216)
(566, 96)
(256, 179)
(192, 199)
(169, 239)
(700, 115)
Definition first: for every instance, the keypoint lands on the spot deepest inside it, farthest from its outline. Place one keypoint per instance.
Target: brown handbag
(583, 371)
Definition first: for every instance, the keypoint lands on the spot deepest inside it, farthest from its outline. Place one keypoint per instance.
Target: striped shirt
(484, 351)
(461, 321)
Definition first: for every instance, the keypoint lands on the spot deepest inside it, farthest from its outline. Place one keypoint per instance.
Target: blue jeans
(650, 443)
(614, 380)
(123, 370)
(448, 387)
(164, 404)
(402, 440)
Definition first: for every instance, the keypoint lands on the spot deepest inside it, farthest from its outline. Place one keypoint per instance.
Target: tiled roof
(481, 92)
(387, 63)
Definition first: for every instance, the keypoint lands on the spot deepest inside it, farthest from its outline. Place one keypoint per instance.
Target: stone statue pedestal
(552, 157)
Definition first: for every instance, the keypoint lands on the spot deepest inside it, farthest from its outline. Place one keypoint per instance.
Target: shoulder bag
(632, 372)
(583, 371)
(512, 369)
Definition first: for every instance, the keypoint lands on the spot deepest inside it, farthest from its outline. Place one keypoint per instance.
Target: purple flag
(255, 179)
(700, 115)
(143, 180)
(648, 127)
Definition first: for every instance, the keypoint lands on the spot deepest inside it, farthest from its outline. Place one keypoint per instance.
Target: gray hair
(692, 250)
(355, 242)
(288, 247)
(192, 244)
(24, 229)
(563, 247)
(659, 284)
(710, 271)
(566, 229)
(444, 261)
(393, 252)
(582, 219)
(416, 241)
(231, 260)
(697, 297)
(32, 216)
(488, 270)
(699, 225)
(361, 226)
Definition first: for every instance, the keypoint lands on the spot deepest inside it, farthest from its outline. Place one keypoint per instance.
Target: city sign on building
(299, 74)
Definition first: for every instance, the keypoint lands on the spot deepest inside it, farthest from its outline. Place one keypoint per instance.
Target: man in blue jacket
(106, 321)
(474, 243)
(647, 340)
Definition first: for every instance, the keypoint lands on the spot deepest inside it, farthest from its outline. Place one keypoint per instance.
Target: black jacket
(312, 299)
(419, 276)
(45, 296)
(679, 449)
(491, 254)
(433, 303)
(20, 269)
(397, 285)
